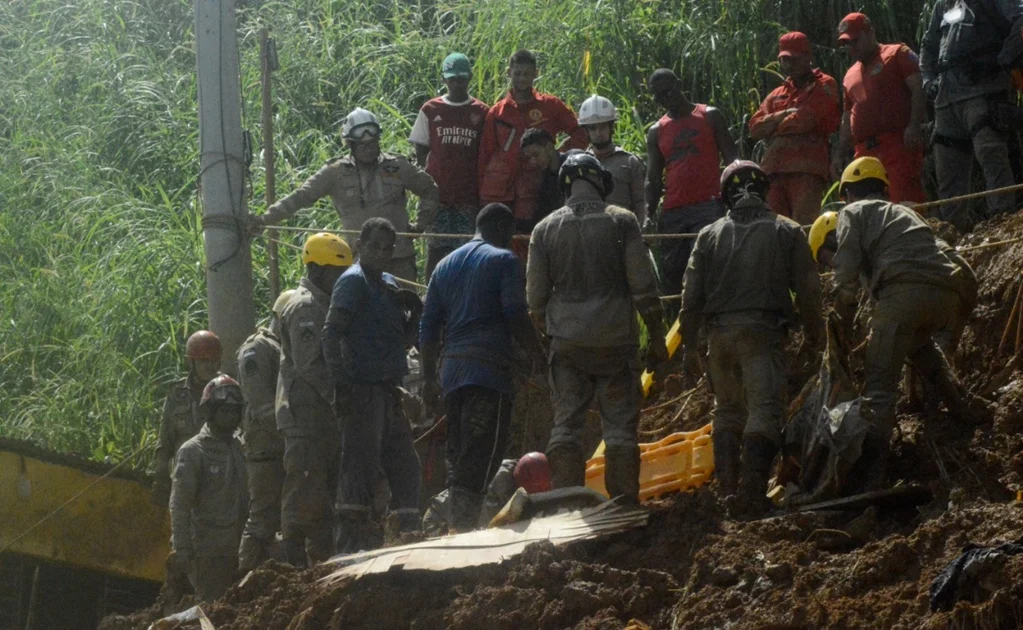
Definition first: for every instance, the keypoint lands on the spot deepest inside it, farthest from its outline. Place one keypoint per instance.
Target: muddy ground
(693, 567)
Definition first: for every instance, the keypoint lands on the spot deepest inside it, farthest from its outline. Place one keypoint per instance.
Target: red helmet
(222, 390)
(533, 473)
(204, 345)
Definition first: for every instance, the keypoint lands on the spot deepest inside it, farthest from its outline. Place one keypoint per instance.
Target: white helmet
(360, 124)
(596, 110)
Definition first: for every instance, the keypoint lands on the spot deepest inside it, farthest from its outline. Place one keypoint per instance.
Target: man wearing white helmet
(597, 117)
(365, 184)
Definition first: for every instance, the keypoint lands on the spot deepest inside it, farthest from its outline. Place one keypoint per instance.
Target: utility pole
(222, 177)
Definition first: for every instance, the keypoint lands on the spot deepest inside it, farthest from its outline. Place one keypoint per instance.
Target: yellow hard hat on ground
(328, 250)
(824, 225)
(861, 169)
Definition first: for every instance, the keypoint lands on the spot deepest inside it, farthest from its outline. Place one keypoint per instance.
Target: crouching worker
(209, 496)
(739, 283)
(914, 288)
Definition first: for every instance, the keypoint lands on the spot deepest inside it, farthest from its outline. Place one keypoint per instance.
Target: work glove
(432, 396)
(692, 367)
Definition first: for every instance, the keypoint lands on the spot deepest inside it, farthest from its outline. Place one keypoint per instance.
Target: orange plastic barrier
(681, 461)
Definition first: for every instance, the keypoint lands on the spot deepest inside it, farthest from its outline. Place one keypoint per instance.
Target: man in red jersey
(684, 153)
(885, 108)
(506, 177)
(447, 136)
(795, 121)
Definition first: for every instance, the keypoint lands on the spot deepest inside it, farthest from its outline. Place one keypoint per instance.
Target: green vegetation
(100, 247)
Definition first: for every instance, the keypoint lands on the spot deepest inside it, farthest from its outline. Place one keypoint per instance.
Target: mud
(693, 567)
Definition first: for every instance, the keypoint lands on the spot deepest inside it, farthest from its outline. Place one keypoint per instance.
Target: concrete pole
(222, 177)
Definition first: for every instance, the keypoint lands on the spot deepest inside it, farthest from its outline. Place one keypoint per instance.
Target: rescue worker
(312, 443)
(447, 135)
(259, 359)
(364, 184)
(968, 51)
(912, 285)
(885, 108)
(475, 306)
(795, 121)
(531, 472)
(588, 273)
(181, 421)
(505, 177)
(739, 284)
(597, 116)
(370, 325)
(685, 149)
(208, 501)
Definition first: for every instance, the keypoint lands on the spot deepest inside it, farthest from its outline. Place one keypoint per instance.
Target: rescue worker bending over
(208, 501)
(371, 324)
(588, 273)
(312, 444)
(181, 420)
(912, 284)
(738, 284)
(259, 359)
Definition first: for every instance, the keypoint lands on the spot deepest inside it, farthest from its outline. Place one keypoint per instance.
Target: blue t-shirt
(473, 293)
(376, 336)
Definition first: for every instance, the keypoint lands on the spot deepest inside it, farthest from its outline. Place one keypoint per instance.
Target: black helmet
(579, 164)
(743, 179)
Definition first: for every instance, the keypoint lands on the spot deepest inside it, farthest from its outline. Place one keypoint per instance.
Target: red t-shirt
(876, 95)
(692, 168)
(455, 132)
(507, 120)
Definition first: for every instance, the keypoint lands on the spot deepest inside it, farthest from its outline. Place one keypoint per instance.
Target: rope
(75, 497)
(273, 240)
(1011, 241)
(410, 283)
(977, 195)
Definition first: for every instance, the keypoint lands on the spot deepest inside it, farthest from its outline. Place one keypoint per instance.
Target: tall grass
(100, 247)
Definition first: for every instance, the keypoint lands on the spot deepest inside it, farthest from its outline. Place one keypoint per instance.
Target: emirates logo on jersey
(459, 136)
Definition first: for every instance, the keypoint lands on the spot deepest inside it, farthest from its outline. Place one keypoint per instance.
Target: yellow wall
(113, 527)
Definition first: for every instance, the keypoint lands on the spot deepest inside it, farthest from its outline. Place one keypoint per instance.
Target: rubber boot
(727, 447)
(757, 456)
(960, 401)
(621, 474)
(568, 467)
(294, 552)
(870, 472)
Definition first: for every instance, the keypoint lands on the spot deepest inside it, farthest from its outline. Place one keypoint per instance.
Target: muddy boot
(294, 552)
(960, 401)
(349, 532)
(751, 500)
(568, 467)
(727, 447)
(870, 472)
(621, 474)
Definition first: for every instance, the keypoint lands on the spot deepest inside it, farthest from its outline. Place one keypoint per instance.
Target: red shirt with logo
(453, 132)
(499, 159)
(876, 95)
(692, 168)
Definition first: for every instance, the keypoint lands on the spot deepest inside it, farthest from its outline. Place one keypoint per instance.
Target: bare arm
(654, 171)
(726, 144)
(422, 153)
(419, 183)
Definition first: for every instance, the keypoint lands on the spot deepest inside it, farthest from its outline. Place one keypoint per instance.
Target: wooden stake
(1008, 324)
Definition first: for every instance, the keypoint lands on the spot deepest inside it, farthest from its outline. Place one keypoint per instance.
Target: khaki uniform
(629, 173)
(358, 195)
(259, 360)
(306, 419)
(588, 266)
(739, 280)
(912, 284)
(180, 422)
(208, 507)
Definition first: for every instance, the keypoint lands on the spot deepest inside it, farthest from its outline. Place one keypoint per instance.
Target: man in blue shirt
(369, 326)
(475, 305)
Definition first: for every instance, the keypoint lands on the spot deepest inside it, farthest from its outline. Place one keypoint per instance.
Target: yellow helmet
(861, 169)
(824, 225)
(327, 249)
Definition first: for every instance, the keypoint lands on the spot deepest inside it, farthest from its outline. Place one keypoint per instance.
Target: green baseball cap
(456, 65)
